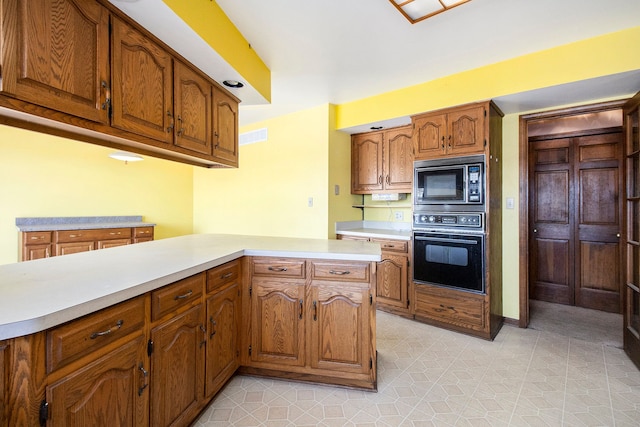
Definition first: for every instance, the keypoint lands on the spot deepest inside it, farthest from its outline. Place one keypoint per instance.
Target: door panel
(631, 311)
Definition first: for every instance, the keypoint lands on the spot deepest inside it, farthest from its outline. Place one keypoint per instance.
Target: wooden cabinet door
(391, 286)
(398, 159)
(104, 244)
(56, 54)
(366, 163)
(465, 129)
(142, 85)
(429, 133)
(225, 128)
(177, 368)
(192, 94)
(110, 391)
(277, 323)
(74, 247)
(31, 252)
(223, 325)
(339, 331)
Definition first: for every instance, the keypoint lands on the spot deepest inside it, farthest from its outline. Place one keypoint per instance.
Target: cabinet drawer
(104, 244)
(167, 299)
(92, 234)
(340, 271)
(222, 275)
(392, 245)
(143, 232)
(36, 237)
(80, 337)
(461, 309)
(277, 267)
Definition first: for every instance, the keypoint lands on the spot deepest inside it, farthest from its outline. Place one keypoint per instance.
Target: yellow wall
(268, 195)
(42, 175)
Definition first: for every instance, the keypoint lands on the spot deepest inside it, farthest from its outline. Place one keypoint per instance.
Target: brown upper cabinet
(86, 66)
(60, 63)
(382, 161)
(451, 132)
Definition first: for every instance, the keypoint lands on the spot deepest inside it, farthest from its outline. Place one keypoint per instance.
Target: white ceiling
(336, 51)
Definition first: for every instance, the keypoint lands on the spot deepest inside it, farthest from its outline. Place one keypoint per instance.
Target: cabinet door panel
(56, 54)
(107, 392)
(366, 163)
(277, 322)
(225, 128)
(74, 247)
(142, 85)
(398, 159)
(177, 369)
(192, 110)
(429, 136)
(223, 316)
(339, 329)
(466, 131)
(391, 285)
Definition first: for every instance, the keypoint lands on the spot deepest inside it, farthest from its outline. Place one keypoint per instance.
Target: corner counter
(44, 293)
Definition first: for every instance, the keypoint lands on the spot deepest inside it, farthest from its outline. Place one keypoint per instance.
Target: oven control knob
(463, 219)
(432, 218)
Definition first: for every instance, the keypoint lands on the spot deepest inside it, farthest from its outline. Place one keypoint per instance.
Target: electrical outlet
(310, 202)
(399, 215)
(510, 203)
(336, 190)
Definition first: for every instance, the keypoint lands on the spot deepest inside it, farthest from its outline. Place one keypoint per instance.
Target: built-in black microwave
(455, 181)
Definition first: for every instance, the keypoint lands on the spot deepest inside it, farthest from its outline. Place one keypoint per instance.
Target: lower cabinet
(3, 382)
(177, 369)
(109, 391)
(312, 320)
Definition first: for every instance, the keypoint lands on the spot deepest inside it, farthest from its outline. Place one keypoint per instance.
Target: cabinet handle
(181, 131)
(387, 180)
(107, 96)
(449, 141)
(315, 311)
(279, 269)
(380, 179)
(339, 273)
(171, 124)
(448, 307)
(112, 233)
(300, 312)
(145, 375)
(118, 325)
(183, 296)
(226, 275)
(442, 142)
(213, 327)
(204, 335)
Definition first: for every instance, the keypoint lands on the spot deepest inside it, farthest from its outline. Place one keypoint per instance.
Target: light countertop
(39, 294)
(375, 229)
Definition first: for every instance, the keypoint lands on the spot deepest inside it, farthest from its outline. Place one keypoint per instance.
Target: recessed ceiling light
(233, 83)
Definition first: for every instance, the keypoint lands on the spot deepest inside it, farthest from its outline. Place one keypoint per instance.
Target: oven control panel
(466, 220)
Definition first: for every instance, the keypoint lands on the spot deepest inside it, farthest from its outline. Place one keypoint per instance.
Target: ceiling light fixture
(233, 83)
(419, 10)
(126, 157)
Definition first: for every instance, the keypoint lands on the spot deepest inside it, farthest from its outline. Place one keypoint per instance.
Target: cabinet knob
(535, 230)
(617, 234)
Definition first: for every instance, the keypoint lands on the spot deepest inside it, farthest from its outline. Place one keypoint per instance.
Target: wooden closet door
(551, 219)
(598, 166)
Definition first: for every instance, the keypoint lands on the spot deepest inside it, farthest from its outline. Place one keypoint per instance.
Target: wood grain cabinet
(178, 340)
(223, 325)
(97, 368)
(56, 54)
(87, 66)
(382, 161)
(44, 244)
(451, 132)
(393, 281)
(312, 320)
(4, 358)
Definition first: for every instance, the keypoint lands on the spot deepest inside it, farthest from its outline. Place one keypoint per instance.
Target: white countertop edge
(45, 319)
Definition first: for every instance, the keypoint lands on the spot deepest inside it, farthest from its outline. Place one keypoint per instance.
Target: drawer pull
(183, 296)
(448, 307)
(279, 269)
(300, 312)
(339, 273)
(389, 246)
(36, 238)
(112, 233)
(95, 335)
(226, 275)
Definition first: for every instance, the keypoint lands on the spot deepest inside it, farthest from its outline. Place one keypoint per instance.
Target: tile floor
(432, 377)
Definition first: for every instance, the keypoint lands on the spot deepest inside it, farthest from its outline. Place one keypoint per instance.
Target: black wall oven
(449, 258)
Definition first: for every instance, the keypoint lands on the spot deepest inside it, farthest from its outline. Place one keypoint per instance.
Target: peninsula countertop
(37, 295)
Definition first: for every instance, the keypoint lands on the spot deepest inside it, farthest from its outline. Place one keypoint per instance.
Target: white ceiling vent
(258, 135)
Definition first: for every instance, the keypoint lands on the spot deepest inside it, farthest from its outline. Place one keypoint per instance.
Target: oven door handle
(442, 240)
